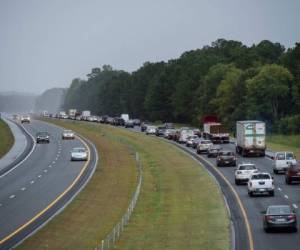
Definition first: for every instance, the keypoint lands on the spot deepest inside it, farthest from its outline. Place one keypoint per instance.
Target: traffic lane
(37, 189)
(255, 205)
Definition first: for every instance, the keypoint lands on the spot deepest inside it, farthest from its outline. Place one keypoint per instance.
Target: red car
(292, 173)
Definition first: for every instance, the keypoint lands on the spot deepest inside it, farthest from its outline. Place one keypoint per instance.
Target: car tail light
(269, 217)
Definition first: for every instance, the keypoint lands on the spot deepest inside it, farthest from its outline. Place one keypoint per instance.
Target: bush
(288, 125)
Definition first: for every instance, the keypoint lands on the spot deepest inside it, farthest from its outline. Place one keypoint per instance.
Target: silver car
(68, 134)
(79, 154)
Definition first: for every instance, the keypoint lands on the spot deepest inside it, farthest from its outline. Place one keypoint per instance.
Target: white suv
(282, 160)
(25, 118)
(261, 183)
(243, 172)
(204, 146)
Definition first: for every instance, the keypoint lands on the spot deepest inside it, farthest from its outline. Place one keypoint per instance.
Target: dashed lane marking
(12, 196)
(45, 170)
(39, 176)
(31, 182)
(285, 196)
(295, 206)
(23, 188)
(279, 189)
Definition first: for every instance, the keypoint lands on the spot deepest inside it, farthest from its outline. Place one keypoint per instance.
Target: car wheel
(250, 193)
(271, 193)
(267, 230)
(237, 182)
(275, 171)
(295, 229)
(198, 152)
(288, 181)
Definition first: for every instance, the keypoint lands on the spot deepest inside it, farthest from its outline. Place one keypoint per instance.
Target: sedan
(79, 154)
(42, 137)
(226, 158)
(68, 134)
(280, 217)
(150, 130)
(213, 151)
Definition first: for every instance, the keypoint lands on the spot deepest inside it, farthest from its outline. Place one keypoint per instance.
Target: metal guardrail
(111, 239)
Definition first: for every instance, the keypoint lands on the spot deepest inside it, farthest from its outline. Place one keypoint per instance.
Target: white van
(282, 160)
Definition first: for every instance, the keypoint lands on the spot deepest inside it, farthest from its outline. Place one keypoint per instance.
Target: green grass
(284, 143)
(6, 138)
(180, 206)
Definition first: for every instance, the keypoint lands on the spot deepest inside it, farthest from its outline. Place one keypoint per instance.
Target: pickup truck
(261, 183)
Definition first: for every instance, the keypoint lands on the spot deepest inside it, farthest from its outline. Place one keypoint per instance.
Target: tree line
(227, 79)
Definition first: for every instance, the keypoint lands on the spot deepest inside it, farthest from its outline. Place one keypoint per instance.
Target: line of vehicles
(250, 141)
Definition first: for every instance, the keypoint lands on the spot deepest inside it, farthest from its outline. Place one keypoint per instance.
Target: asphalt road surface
(35, 184)
(284, 194)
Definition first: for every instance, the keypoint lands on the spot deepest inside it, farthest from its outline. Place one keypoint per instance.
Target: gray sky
(46, 44)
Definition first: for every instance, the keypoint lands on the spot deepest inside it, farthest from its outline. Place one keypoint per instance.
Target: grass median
(180, 206)
(284, 143)
(6, 138)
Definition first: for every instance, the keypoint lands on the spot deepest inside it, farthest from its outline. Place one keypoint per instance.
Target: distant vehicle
(226, 158)
(15, 117)
(92, 118)
(79, 154)
(196, 141)
(169, 125)
(129, 124)
(190, 140)
(68, 134)
(160, 131)
(125, 117)
(144, 126)
(214, 130)
(42, 137)
(45, 113)
(282, 160)
(292, 173)
(63, 115)
(250, 138)
(213, 151)
(118, 121)
(184, 134)
(261, 183)
(280, 217)
(25, 119)
(243, 172)
(85, 114)
(150, 130)
(169, 133)
(137, 122)
(72, 113)
(203, 146)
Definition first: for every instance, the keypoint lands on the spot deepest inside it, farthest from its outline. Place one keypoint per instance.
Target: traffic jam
(239, 156)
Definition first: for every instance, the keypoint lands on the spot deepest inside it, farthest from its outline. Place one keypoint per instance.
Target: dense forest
(227, 78)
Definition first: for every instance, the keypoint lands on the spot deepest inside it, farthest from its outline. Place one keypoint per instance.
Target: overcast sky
(46, 44)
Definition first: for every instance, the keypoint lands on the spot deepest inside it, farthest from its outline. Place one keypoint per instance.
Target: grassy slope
(6, 138)
(180, 206)
(284, 143)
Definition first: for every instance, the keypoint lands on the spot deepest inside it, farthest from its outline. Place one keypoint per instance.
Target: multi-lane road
(45, 182)
(255, 238)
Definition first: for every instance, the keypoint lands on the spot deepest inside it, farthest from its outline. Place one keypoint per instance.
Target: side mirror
(263, 212)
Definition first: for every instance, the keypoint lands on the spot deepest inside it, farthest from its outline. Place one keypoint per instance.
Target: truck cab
(282, 160)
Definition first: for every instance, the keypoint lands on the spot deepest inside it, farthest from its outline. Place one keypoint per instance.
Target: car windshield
(260, 177)
(280, 156)
(289, 156)
(279, 210)
(205, 142)
(247, 167)
(151, 127)
(42, 134)
(224, 153)
(68, 131)
(78, 150)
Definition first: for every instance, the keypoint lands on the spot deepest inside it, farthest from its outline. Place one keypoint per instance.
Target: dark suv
(292, 173)
(226, 158)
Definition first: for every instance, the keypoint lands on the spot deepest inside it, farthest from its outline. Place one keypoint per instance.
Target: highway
(284, 194)
(45, 182)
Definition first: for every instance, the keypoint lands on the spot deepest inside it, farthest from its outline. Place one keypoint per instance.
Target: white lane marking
(12, 196)
(45, 170)
(0, 205)
(285, 196)
(279, 189)
(31, 182)
(23, 188)
(39, 176)
(295, 206)
(53, 162)
(26, 157)
(49, 166)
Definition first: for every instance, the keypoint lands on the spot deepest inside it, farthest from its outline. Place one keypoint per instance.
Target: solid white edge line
(26, 157)
(295, 206)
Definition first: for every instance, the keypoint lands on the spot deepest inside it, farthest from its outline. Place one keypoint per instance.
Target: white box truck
(250, 138)
(85, 114)
(72, 113)
(125, 117)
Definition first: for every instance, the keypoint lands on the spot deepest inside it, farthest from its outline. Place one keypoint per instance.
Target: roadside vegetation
(6, 138)
(285, 143)
(227, 79)
(180, 206)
